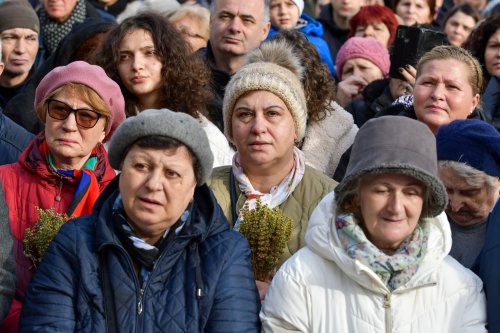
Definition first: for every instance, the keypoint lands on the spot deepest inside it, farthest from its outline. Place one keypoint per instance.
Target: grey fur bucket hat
(163, 122)
(395, 144)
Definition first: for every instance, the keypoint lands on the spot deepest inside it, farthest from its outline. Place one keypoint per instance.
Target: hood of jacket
(322, 238)
(206, 220)
(312, 28)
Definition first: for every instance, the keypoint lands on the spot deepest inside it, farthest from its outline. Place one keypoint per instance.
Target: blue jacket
(488, 268)
(13, 140)
(66, 294)
(314, 33)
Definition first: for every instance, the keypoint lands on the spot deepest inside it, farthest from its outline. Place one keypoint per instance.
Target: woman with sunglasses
(65, 167)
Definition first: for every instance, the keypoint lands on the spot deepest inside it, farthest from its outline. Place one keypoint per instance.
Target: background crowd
(153, 125)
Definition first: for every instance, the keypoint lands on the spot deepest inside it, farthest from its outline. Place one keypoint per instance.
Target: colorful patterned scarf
(278, 193)
(87, 190)
(393, 270)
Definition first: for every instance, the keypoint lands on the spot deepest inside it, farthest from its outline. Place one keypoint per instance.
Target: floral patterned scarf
(393, 270)
(278, 193)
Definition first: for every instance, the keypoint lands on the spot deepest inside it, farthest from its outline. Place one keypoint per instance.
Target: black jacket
(334, 36)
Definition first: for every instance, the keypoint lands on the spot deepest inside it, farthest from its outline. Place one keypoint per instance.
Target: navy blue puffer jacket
(66, 294)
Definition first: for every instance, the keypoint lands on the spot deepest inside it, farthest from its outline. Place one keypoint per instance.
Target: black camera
(411, 44)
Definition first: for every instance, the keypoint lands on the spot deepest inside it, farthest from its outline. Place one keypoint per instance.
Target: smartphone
(411, 44)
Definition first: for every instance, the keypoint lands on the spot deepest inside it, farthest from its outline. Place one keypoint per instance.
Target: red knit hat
(95, 78)
(366, 48)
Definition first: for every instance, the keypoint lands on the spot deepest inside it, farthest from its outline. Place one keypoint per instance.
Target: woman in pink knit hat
(360, 61)
(65, 167)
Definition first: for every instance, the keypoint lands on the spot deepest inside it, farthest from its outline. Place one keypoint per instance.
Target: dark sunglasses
(85, 118)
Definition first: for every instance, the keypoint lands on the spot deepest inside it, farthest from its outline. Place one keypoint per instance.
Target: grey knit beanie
(396, 144)
(163, 122)
(273, 68)
(18, 14)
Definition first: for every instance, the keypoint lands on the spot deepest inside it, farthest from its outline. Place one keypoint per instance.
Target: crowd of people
(152, 127)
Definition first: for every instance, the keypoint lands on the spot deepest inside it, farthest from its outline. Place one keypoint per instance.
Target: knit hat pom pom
(279, 53)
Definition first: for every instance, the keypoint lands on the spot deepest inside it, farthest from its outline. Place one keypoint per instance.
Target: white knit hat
(300, 5)
(273, 68)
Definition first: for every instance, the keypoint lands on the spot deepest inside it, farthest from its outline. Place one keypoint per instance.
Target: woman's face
(70, 145)
(363, 68)
(140, 67)
(443, 93)
(156, 186)
(263, 131)
(492, 54)
(390, 205)
(414, 11)
(192, 31)
(458, 28)
(378, 30)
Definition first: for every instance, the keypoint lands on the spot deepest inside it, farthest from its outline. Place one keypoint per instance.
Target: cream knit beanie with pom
(273, 68)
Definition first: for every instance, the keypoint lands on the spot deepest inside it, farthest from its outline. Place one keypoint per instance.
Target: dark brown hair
(186, 78)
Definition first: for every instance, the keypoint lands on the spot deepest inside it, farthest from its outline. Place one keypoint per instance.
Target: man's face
(346, 8)
(237, 26)
(59, 10)
(19, 49)
(468, 205)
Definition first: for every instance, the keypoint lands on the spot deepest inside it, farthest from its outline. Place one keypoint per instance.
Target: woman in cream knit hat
(265, 116)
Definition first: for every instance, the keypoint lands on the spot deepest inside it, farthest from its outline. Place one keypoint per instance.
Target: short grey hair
(472, 176)
(267, 14)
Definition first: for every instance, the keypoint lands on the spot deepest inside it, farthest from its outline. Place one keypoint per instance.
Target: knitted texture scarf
(53, 32)
(393, 270)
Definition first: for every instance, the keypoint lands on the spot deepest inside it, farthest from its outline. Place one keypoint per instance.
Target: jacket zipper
(388, 313)
(387, 305)
(139, 303)
(59, 190)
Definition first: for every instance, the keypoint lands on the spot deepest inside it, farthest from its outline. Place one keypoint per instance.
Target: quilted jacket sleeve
(236, 303)
(7, 264)
(48, 305)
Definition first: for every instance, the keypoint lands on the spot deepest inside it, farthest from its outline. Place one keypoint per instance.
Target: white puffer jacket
(321, 289)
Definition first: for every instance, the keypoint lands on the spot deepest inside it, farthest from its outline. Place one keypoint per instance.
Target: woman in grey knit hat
(156, 255)
(265, 116)
(377, 249)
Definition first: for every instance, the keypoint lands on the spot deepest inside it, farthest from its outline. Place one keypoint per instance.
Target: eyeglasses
(85, 118)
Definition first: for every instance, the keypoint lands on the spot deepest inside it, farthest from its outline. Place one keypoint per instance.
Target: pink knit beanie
(95, 78)
(366, 48)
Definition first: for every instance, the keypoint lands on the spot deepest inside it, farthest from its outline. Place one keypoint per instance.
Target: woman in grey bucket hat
(377, 248)
(157, 253)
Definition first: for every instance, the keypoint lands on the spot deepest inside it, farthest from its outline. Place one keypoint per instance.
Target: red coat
(31, 183)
